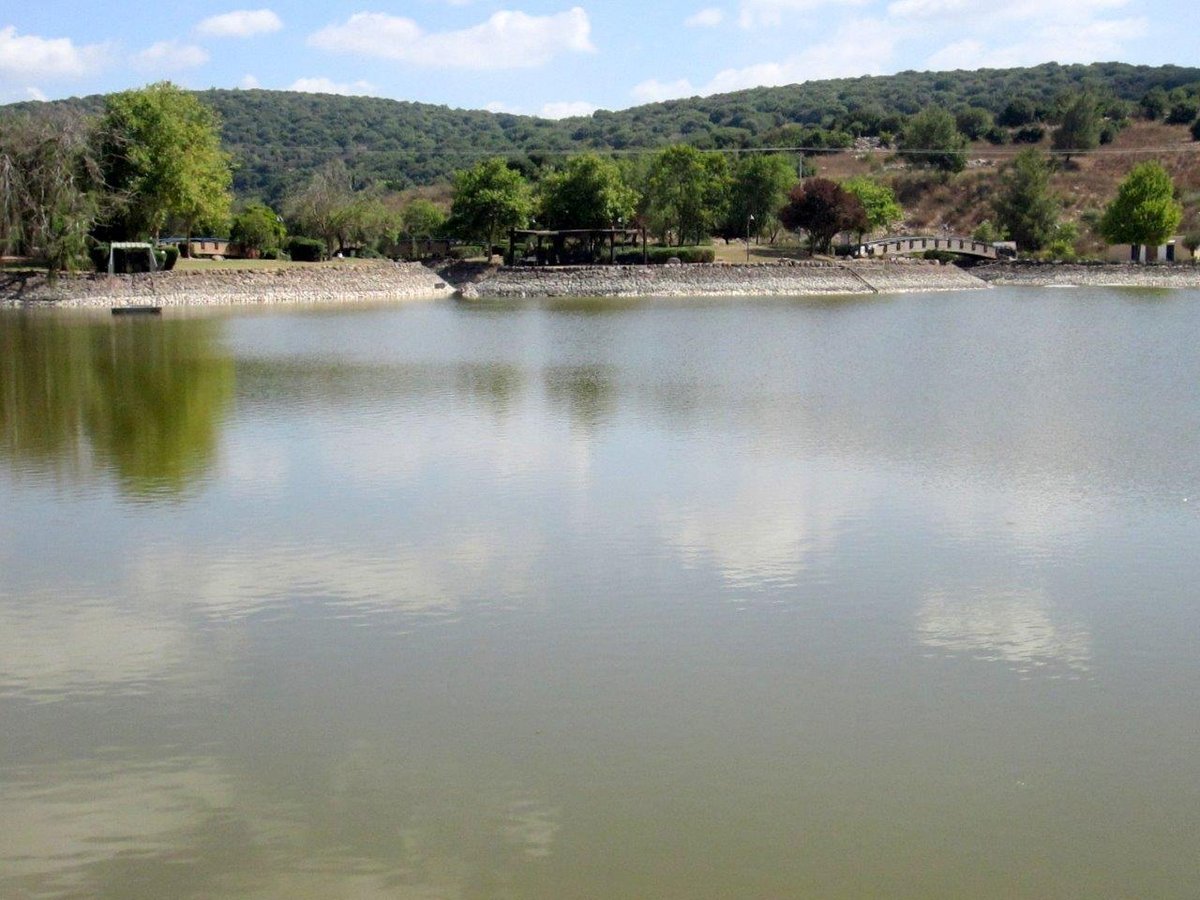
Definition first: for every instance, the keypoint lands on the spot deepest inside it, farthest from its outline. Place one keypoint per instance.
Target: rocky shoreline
(1031, 274)
(718, 280)
(387, 281)
(347, 283)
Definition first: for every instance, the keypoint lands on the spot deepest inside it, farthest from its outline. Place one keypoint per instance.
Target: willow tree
(161, 152)
(50, 189)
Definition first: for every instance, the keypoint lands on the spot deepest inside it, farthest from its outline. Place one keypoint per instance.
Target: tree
(258, 228)
(1024, 206)
(161, 151)
(931, 139)
(878, 200)
(1019, 111)
(822, 208)
(758, 189)
(50, 190)
(588, 192)
(319, 209)
(974, 121)
(1154, 102)
(1191, 240)
(1080, 128)
(686, 192)
(488, 198)
(1145, 210)
(421, 219)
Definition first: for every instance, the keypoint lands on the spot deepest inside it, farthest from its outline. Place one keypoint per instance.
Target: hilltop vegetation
(278, 139)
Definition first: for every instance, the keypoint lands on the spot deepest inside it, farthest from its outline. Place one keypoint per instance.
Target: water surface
(892, 596)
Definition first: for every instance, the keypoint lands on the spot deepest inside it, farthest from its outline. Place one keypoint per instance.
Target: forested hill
(278, 138)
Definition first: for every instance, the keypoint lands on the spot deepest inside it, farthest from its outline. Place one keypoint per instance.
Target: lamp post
(749, 222)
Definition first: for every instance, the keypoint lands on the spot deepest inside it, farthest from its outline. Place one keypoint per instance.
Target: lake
(889, 596)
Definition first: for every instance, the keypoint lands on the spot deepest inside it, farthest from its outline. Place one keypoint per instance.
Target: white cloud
(705, 18)
(923, 9)
(771, 13)
(249, 82)
(242, 23)
(655, 91)
(507, 40)
(499, 106)
(167, 56)
(1081, 42)
(31, 56)
(329, 86)
(36, 94)
(567, 109)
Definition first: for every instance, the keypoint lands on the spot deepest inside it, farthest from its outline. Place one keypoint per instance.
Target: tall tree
(321, 207)
(878, 200)
(161, 151)
(760, 186)
(488, 198)
(931, 139)
(686, 192)
(1024, 206)
(822, 208)
(1080, 128)
(1145, 210)
(588, 192)
(50, 189)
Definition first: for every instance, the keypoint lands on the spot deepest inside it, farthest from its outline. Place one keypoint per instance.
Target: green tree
(588, 192)
(161, 152)
(320, 208)
(686, 193)
(1024, 206)
(759, 187)
(878, 200)
(822, 208)
(419, 219)
(50, 190)
(1145, 210)
(1154, 103)
(258, 228)
(932, 140)
(489, 198)
(1080, 128)
(974, 121)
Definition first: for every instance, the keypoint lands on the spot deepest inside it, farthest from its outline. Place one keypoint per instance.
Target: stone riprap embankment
(718, 280)
(327, 283)
(1179, 275)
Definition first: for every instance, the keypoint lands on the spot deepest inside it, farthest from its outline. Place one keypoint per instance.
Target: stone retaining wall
(349, 282)
(718, 280)
(1030, 274)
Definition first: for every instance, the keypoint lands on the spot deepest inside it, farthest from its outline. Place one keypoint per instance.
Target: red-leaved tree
(822, 208)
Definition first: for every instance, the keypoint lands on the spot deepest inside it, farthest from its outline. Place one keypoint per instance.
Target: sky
(557, 58)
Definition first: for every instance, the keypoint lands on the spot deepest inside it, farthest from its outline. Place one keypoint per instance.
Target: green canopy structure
(130, 245)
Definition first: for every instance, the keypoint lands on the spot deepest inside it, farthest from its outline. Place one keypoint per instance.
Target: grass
(257, 265)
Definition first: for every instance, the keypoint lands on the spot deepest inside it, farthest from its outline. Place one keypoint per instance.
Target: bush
(170, 256)
(303, 249)
(658, 256)
(942, 256)
(1030, 134)
(1196, 130)
(465, 251)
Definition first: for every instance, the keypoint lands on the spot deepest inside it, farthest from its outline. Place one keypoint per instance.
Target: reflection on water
(1012, 627)
(672, 599)
(144, 399)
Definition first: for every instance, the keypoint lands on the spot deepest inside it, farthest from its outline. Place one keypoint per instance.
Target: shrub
(1196, 130)
(658, 256)
(942, 256)
(303, 249)
(1030, 134)
(465, 251)
(170, 256)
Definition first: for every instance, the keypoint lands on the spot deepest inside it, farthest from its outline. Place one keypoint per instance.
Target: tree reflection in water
(142, 400)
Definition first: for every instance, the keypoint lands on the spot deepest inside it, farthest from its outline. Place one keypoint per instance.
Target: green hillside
(278, 138)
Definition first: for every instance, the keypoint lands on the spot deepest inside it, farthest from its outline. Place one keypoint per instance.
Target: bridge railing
(919, 243)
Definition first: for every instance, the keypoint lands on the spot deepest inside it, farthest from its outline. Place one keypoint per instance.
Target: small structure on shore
(552, 245)
(1173, 250)
(127, 247)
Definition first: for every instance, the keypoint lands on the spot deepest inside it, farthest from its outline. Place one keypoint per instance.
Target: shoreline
(384, 281)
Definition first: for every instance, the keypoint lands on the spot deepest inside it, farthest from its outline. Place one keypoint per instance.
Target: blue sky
(559, 58)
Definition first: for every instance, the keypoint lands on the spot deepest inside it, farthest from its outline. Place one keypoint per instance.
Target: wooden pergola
(557, 239)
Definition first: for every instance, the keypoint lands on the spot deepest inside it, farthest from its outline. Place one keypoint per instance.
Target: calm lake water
(887, 597)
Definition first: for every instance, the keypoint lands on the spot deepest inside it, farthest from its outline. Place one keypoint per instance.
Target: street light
(749, 222)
